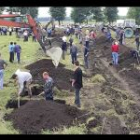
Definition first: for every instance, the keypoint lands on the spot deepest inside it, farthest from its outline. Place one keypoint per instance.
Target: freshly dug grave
(116, 92)
(37, 115)
(61, 76)
(14, 103)
(36, 90)
(127, 63)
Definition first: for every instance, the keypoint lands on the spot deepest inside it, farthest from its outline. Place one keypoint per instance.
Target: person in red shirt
(93, 37)
(115, 50)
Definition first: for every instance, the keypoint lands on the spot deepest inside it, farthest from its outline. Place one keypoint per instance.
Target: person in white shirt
(25, 34)
(23, 79)
(10, 31)
(64, 38)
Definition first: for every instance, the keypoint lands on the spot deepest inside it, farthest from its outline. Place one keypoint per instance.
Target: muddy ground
(113, 102)
(61, 75)
(116, 100)
(128, 66)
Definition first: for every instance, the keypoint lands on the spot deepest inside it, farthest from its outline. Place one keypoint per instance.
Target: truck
(129, 26)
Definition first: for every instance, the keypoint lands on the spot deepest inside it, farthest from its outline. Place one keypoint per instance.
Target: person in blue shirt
(11, 52)
(3, 64)
(49, 31)
(17, 50)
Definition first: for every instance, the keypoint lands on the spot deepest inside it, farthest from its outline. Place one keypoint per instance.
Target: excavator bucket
(54, 52)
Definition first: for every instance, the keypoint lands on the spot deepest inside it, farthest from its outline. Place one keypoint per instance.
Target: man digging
(48, 86)
(23, 80)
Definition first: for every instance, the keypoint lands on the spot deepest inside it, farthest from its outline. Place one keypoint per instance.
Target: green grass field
(29, 55)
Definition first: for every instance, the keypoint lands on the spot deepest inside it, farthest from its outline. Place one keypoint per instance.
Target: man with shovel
(23, 80)
(48, 86)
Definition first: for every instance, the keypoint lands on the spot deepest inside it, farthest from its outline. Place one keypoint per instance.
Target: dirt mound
(14, 103)
(61, 76)
(37, 115)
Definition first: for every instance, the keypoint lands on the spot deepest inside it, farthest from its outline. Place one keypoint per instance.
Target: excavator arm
(31, 23)
(54, 52)
(50, 22)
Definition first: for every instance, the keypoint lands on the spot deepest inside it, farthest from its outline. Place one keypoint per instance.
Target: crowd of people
(84, 40)
(4, 30)
(24, 79)
(120, 40)
(115, 44)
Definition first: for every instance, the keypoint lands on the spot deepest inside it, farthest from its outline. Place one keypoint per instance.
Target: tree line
(98, 14)
(83, 14)
(33, 11)
(79, 14)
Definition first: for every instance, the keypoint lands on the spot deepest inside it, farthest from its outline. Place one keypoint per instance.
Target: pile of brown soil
(37, 115)
(61, 76)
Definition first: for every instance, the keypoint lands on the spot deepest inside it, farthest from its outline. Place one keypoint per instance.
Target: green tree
(97, 14)
(58, 13)
(111, 14)
(134, 13)
(2, 9)
(80, 14)
(12, 9)
(33, 11)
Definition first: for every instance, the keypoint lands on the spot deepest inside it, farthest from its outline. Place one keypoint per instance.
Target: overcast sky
(44, 11)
